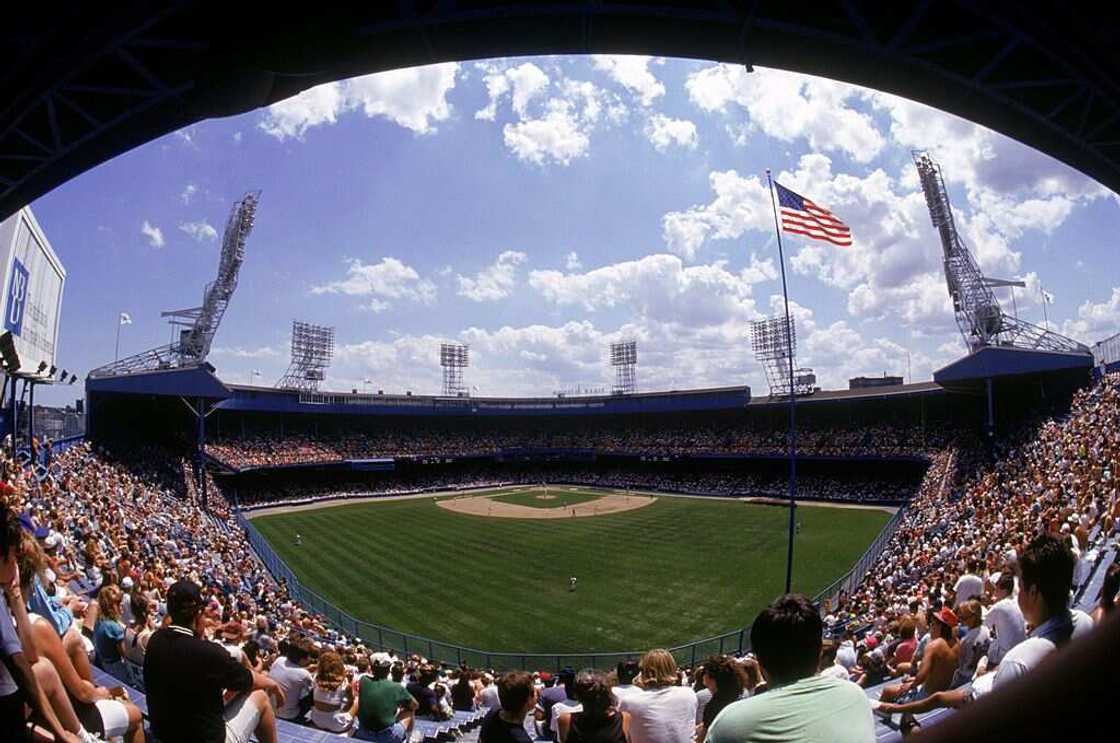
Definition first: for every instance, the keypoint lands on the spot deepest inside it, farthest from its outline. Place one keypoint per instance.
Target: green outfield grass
(557, 497)
(677, 570)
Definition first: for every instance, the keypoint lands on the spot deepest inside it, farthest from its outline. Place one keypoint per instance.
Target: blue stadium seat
(286, 732)
(887, 730)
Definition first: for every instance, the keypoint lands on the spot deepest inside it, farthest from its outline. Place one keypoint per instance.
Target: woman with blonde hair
(108, 633)
(664, 712)
(333, 704)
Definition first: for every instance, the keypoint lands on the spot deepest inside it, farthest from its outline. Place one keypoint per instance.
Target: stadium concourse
(105, 535)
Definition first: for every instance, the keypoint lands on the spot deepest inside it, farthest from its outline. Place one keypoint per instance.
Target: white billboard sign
(32, 299)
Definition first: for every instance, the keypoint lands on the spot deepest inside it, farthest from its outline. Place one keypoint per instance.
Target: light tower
(624, 359)
(312, 350)
(193, 329)
(981, 319)
(773, 343)
(454, 358)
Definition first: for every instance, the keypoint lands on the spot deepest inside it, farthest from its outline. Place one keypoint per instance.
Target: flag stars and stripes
(803, 217)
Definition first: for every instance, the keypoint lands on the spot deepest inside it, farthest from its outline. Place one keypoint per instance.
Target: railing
(23, 455)
(851, 579)
(385, 638)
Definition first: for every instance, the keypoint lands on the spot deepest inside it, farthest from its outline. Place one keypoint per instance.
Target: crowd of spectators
(272, 450)
(727, 484)
(986, 550)
(103, 560)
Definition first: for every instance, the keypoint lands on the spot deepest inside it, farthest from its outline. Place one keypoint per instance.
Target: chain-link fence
(849, 580)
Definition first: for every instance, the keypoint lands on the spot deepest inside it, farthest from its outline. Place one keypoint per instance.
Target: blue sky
(540, 208)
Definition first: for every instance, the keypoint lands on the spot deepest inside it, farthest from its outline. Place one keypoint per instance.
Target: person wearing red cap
(939, 662)
(1045, 572)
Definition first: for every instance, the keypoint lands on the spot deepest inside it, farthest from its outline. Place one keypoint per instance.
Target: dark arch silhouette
(82, 82)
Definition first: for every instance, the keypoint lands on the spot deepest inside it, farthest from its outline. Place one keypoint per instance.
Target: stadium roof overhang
(996, 362)
(83, 82)
(191, 383)
(892, 392)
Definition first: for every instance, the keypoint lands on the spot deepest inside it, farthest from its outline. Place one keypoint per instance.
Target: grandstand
(959, 478)
(186, 458)
(958, 539)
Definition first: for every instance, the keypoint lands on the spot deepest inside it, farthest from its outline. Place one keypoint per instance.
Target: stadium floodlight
(980, 318)
(312, 351)
(454, 358)
(624, 359)
(773, 343)
(194, 328)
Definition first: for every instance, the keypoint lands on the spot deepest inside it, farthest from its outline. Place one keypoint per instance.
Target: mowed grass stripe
(398, 564)
(674, 571)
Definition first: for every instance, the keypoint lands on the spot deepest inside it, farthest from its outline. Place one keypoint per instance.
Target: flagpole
(791, 435)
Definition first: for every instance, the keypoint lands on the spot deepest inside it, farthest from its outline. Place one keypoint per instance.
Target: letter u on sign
(17, 298)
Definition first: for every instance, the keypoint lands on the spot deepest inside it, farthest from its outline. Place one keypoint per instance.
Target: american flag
(802, 216)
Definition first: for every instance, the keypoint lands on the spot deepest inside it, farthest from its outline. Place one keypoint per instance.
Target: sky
(540, 208)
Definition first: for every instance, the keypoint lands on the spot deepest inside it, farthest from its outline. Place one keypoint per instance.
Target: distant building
(56, 423)
(1106, 354)
(859, 383)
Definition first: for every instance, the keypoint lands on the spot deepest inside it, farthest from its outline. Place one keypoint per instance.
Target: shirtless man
(939, 662)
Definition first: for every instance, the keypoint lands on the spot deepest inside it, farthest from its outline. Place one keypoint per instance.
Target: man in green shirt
(798, 705)
(385, 709)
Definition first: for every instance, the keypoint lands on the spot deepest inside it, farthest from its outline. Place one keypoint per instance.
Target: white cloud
(664, 132)
(661, 288)
(572, 261)
(494, 282)
(525, 82)
(547, 129)
(837, 352)
(237, 137)
(414, 98)
(1095, 320)
(239, 352)
(188, 193)
(388, 280)
(406, 362)
(789, 107)
(292, 117)
(186, 136)
(154, 234)
(740, 204)
(985, 162)
(631, 72)
(893, 267)
(200, 231)
(557, 137)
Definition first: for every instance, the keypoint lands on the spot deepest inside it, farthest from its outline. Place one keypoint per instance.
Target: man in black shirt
(185, 677)
(507, 723)
(420, 689)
